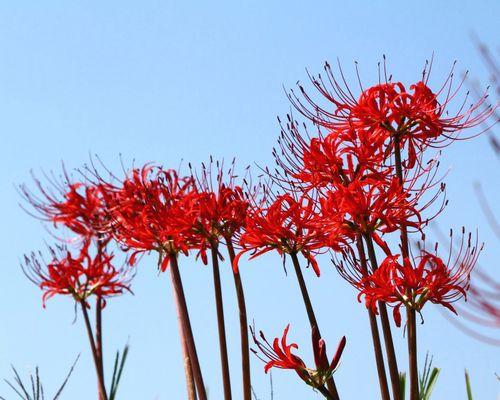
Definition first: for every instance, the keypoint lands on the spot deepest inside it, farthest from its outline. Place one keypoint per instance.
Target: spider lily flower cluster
(369, 176)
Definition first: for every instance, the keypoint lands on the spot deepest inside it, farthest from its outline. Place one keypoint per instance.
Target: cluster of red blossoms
(80, 208)
(367, 180)
(413, 283)
(370, 174)
(81, 276)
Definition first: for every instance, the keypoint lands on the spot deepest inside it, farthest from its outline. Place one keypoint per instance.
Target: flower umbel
(288, 226)
(427, 278)
(79, 276)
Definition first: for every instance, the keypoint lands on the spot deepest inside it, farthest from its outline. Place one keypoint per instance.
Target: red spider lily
(79, 276)
(218, 215)
(288, 226)
(343, 165)
(417, 117)
(384, 206)
(154, 209)
(414, 283)
(77, 206)
(220, 208)
(336, 158)
(280, 355)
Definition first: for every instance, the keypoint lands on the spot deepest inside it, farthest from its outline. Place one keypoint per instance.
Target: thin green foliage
(402, 385)
(428, 379)
(33, 390)
(120, 360)
(467, 385)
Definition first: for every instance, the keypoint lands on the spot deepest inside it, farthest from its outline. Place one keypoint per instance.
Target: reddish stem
(98, 339)
(245, 348)
(220, 322)
(411, 317)
(100, 379)
(186, 323)
(377, 346)
(386, 329)
(311, 316)
(188, 370)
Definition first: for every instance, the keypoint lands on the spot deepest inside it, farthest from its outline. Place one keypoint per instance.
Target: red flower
(366, 207)
(220, 207)
(414, 283)
(418, 117)
(287, 226)
(280, 355)
(79, 276)
(153, 209)
(77, 206)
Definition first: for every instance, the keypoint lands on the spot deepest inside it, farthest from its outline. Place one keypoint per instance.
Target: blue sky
(168, 81)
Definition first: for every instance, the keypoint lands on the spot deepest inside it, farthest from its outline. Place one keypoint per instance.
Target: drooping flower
(427, 278)
(279, 355)
(81, 276)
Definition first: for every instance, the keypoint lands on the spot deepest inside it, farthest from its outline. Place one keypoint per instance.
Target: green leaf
(402, 385)
(467, 384)
(117, 371)
(428, 379)
(432, 379)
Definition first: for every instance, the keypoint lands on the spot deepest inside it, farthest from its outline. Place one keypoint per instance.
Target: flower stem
(412, 353)
(188, 370)
(220, 322)
(98, 338)
(100, 378)
(245, 348)
(411, 317)
(310, 314)
(186, 323)
(324, 391)
(377, 346)
(386, 328)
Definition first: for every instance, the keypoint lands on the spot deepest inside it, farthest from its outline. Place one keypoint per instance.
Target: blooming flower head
(417, 117)
(153, 209)
(413, 283)
(279, 355)
(367, 206)
(76, 205)
(80, 276)
(287, 225)
(220, 207)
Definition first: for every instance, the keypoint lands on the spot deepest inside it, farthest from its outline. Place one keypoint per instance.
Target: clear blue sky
(164, 81)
